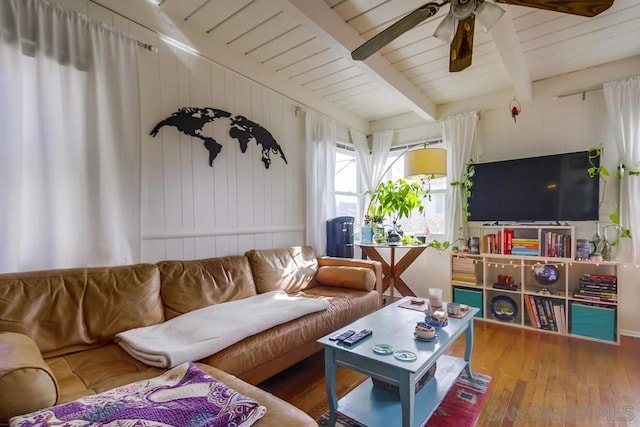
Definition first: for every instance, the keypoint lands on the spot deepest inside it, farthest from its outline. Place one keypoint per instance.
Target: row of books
(555, 245)
(550, 244)
(544, 314)
(524, 246)
(463, 270)
(597, 287)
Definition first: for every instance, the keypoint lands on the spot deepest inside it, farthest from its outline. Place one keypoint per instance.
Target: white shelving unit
(540, 287)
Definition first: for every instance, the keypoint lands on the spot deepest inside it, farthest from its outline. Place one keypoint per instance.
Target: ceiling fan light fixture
(447, 29)
(488, 14)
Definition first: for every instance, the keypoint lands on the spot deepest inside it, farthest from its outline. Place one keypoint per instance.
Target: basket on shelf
(394, 389)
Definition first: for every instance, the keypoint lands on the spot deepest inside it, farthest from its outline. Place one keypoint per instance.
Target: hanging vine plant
(596, 169)
(466, 184)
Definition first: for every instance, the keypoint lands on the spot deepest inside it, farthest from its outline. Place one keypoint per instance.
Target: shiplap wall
(189, 209)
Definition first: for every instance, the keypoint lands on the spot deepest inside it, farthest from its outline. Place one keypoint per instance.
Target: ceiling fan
(463, 13)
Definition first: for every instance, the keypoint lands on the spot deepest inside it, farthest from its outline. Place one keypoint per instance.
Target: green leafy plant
(396, 199)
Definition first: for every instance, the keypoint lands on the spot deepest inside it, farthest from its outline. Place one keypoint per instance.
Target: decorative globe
(546, 274)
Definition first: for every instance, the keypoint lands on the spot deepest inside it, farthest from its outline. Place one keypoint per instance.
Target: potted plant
(396, 200)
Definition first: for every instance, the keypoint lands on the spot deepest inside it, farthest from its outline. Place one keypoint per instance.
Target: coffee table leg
(468, 347)
(330, 384)
(407, 397)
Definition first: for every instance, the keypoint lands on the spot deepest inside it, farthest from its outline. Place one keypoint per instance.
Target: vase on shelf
(600, 245)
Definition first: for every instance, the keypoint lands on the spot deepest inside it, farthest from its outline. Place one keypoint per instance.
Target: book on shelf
(461, 277)
(532, 311)
(597, 287)
(507, 241)
(544, 314)
(518, 250)
(555, 245)
(489, 243)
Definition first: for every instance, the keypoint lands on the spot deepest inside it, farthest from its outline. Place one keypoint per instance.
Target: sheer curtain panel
(458, 135)
(320, 133)
(623, 104)
(371, 163)
(69, 140)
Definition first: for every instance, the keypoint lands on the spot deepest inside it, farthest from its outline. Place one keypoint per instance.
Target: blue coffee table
(394, 325)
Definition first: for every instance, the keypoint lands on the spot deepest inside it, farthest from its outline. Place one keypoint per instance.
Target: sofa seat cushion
(101, 369)
(97, 370)
(346, 305)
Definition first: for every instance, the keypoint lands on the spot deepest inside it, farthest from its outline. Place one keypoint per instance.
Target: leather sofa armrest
(375, 266)
(26, 381)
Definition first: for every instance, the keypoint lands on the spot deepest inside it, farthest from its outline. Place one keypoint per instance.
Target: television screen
(546, 188)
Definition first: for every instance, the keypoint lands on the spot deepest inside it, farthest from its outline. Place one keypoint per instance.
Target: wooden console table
(392, 270)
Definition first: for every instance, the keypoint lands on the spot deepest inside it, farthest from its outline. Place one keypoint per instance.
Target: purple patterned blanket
(182, 396)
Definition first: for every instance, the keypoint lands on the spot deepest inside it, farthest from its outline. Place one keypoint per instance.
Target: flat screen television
(547, 188)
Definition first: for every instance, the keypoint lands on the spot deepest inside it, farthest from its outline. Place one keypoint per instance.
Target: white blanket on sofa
(203, 332)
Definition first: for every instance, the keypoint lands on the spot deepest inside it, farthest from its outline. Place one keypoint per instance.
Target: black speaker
(340, 237)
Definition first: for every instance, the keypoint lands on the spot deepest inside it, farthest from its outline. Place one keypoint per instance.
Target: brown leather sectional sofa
(57, 327)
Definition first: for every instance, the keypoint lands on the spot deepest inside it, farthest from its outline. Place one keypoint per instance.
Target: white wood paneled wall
(189, 209)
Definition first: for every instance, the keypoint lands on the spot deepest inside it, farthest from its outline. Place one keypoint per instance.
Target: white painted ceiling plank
(156, 19)
(300, 44)
(275, 30)
(325, 20)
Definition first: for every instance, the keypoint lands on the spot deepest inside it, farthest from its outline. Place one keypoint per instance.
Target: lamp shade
(425, 163)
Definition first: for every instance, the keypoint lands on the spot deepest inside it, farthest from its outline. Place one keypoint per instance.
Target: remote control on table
(357, 337)
(341, 336)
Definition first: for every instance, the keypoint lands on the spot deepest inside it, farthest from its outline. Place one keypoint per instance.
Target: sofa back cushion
(189, 285)
(70, 310)
(291, 269)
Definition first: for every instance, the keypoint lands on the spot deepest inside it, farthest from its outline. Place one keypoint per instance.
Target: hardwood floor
(539, 379)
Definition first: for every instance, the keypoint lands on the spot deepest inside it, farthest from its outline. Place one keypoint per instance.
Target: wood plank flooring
(540, 379)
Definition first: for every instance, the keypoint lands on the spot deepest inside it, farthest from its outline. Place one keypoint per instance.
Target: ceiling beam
(508, 45)
(318, 17)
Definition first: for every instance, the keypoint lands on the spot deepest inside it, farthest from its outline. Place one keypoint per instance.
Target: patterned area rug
(460, 407)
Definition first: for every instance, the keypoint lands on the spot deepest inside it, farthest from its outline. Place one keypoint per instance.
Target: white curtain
(69, 140)
(623, 104)
(320, 133)
(458, 135)
(371, 163)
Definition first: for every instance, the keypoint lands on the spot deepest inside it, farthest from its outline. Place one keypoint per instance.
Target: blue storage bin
(593, 322)
(471, 297)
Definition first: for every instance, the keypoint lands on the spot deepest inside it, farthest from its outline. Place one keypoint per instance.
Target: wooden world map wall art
(191, 120)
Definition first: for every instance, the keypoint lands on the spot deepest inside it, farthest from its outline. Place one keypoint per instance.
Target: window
(350, 196)
(347, 184)
(432, 220)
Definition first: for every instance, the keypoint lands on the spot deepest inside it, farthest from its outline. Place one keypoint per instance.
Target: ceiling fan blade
(462, 45)
(394, 31)
(587, 8)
